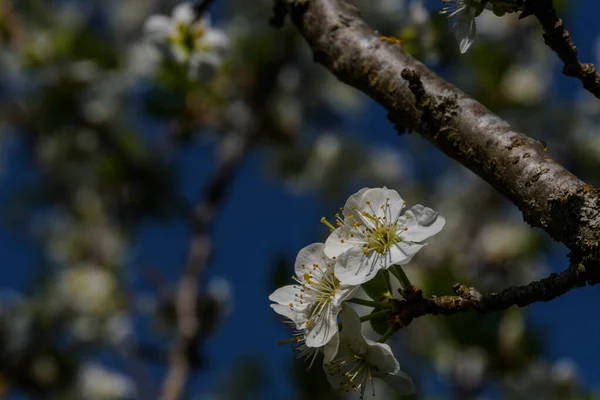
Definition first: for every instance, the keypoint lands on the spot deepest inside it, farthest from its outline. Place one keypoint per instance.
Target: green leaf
(379, 288)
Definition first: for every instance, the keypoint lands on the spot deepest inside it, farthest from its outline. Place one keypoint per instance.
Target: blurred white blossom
(98, 383)
(220, 290)
(88, 289)
(544, 381)
(386, 165)
(469, 366)
(190, 41)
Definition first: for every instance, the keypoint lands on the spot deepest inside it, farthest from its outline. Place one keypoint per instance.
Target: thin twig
(468, 298)
(232, 151)
(558, 38)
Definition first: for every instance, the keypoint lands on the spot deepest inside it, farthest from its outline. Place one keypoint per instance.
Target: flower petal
(307, 257)
(400, 382)
(354, 267)
(323, 328)
(351, 326)
(184, 13)
(381, 356)
(298, 317)
(285, 295)
(354, 202)
(402, 253)
(344, 292)
(465, 30)
(341, 240)
(380, 205)
(216, 41)
(331, 349)
(334, 376)
(158, 28)
(421, 223)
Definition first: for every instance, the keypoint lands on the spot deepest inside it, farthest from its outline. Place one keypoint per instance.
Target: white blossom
(314, 303)
(375, 234)
(354, 361)
(188, 40)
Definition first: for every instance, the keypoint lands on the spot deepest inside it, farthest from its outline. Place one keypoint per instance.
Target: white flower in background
(188, 40)
(142, 59)
(548, 381)
(465, 12)
(88, 289)
(314, 303)
(502, 241)
(418, 12)
(564, 371)
(385, 165)
(375, 234)
(97, 383)
(356, 361)
(468, 368)
(119, 328)
(324, 155)
(220, 290)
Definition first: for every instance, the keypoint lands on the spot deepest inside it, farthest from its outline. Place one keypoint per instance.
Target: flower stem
(386, 335)
(386, 280)
(370, 303)
(375, 315)
(401, 276)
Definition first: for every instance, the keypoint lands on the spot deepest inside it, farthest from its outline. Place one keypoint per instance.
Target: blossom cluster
(374, 232)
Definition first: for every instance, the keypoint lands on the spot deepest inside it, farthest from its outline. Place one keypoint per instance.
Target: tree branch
(548, 195)
(231, 153)
(558, 38)
(468, 298)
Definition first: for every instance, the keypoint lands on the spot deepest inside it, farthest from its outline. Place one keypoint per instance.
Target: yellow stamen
(327, 223)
